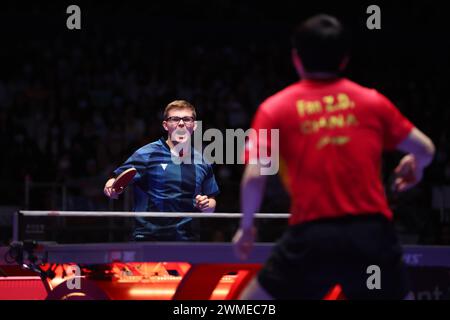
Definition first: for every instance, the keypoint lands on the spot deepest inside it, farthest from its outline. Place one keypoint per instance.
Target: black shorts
(312, 257)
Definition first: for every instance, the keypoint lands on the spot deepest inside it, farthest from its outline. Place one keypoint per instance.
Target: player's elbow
(420, 146)
(428, 150)
(431, 149)
(425, 152)
(251, 174)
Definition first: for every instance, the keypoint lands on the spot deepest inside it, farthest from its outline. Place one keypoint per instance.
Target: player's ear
(195, 125)
(164, 124)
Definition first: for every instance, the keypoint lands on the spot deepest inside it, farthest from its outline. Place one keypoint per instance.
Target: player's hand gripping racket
(123, 180)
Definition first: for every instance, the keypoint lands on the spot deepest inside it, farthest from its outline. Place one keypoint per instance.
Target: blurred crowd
(71, 111)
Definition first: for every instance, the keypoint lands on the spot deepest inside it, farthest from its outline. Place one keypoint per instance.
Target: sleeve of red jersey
(258, 143)
(396, 127)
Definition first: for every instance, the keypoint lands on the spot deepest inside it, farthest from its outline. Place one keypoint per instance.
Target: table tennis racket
(123, 179)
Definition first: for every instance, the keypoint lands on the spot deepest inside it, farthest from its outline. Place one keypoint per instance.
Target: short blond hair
(179, 104)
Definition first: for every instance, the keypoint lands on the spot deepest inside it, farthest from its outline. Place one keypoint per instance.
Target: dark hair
(178, 105)
(321, 42)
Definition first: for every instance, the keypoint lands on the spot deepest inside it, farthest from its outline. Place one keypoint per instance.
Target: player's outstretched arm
(252, 193)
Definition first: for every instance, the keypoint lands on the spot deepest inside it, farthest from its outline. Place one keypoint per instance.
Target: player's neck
(176, 147)
(318, 75)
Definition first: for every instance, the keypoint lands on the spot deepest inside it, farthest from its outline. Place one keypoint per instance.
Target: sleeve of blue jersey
(135, 161)
(209, 184)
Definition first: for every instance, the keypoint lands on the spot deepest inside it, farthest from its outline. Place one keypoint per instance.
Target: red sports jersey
(332, 135)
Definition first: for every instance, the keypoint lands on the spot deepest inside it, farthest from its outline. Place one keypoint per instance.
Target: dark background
(74, 104)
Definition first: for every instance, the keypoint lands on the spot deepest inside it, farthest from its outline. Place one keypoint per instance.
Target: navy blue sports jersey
(164, 186)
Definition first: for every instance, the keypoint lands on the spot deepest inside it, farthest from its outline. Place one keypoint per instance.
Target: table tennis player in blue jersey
(169, 180)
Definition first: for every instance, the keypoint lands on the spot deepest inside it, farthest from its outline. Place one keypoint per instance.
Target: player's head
(179, 120)
(320, 44)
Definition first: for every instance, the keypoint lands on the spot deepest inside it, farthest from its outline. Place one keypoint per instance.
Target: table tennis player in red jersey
(332, 134)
